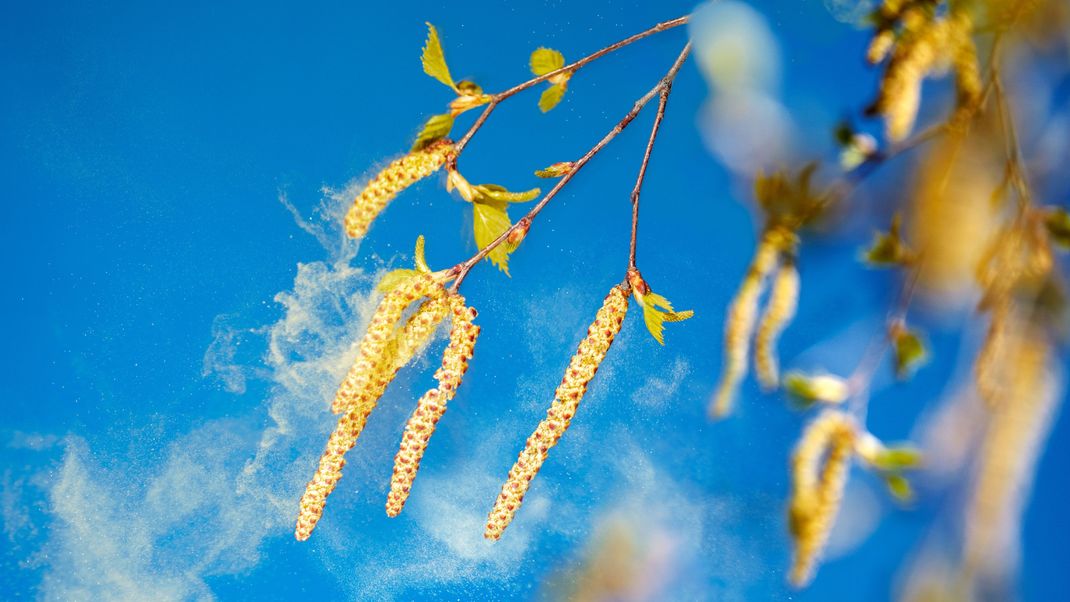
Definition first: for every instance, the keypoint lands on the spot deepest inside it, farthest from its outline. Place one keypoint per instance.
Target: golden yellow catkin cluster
(581, 369)
(920, 44)
(432, 405)
(819, 468)
(1007, 460)
(384, 349)
(397, 176)
(779, 310)
(775, 247)
(374, 367)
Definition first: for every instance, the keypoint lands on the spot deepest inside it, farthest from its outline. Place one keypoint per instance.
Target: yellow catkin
(432, 405)
(1007, 460)
(819, 473)
(411, 338)
(372, 366)
(900, 90)
(581, 369)
(359, 397)
(397, 176)
(968, 82)
(329, 471)
(779, 310)
(739, 324)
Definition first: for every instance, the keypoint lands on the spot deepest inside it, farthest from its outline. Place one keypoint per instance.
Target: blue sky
(182, 303)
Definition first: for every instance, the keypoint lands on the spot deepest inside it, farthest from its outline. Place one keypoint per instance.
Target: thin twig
(461, 270)
(570, 68)
(666, 89)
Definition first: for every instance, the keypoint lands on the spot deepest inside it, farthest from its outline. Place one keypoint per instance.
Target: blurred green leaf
(910, 352)
(1058, 223)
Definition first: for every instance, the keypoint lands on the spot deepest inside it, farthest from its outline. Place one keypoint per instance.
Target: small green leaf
(490, 220)
(899, 487)
(493, 192)
(392, 279)
(556, 170)
(420, 259)
(897, 459)
(1058, 223)
(434, 60)
(550, 97)
(436, 128)
(888, 248)
(807, 389)
(545, 60)
(655, 318)
(909, 352)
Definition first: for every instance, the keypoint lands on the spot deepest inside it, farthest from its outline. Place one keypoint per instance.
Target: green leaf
(434, 60)
(655, 318)
(909, 352)
(550, 97)
(897, 459)
(498, 194)
(556, 170)
(807, 389)
(545, 60)
(888, 249)
(1058, 223)
(436, 128)
(899, 487)
(490, 220)
(420, 259)
(391, 280)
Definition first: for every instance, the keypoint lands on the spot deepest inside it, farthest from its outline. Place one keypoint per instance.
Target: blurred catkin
(397, 176)
(924, 44)
(1007, 460)
(432, 405)
(581, 369)
(819, 473)
(742, 315)
(779, 310)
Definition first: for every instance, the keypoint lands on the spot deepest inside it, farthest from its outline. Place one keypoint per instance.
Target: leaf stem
(666, 89)
(499, 97)
(461, 270)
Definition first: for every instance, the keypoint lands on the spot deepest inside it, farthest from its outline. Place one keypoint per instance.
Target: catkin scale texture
(432, 405)
(386, 185)
(372, 366)
(329, 471)
(581, 369)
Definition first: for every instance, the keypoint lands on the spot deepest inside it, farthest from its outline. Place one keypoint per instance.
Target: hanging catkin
(397, 176)
(779, 310)
(432, 405)
(819, 473)
(372, 365)
(739, 324)
(581, 369)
